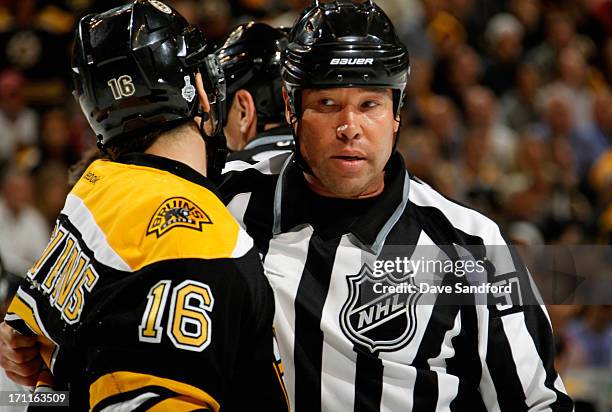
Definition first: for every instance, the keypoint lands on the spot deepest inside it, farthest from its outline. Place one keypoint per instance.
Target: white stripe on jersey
(487, 388)
(95, 239)
(447, 351)
(244, 243)
(448, 385)
(238, 206)
(400, 376)
(338, 367)
(131, 404)
(468, 221)
(287, 254)
(236, 166)
(448, 389)
(530, 369)
(398, 386)
(268, 154)
(271, 166)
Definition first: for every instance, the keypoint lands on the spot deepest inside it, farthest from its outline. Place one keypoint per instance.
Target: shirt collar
(376, 216)
(275, 135)
(171, 166)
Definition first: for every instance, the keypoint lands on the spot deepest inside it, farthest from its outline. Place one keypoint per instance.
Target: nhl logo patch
(177, 212)
(381, 322)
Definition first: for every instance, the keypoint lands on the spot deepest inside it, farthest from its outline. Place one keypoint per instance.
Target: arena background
(510, 111)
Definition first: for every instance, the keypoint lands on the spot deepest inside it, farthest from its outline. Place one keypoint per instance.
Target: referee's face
(346, 137)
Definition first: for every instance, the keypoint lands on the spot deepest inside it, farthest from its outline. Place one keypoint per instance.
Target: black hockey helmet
(251, 60)
(344, 43)
(134, 71)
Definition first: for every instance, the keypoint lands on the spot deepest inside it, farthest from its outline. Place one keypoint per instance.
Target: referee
(255, 126)
(324, 216)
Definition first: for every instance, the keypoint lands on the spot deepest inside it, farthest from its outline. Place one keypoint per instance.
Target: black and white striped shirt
(345, 350)
(265, 145)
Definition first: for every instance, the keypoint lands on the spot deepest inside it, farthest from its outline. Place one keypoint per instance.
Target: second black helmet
(251, 57)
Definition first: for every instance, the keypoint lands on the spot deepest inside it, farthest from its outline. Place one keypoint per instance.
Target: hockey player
(255, 127)
(149, 294)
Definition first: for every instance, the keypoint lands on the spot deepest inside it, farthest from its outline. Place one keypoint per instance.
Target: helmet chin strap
(297, 156)
(216, 148)
(295, 106)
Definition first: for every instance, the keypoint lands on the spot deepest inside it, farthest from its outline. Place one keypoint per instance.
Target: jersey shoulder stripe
(132, 216)
(462, 217)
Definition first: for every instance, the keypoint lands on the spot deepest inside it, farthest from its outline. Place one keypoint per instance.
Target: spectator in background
(55, 140)
(572, 69)
(596, 137)
(418, 90)
(600, 178)
(557, 126)
(412, 28)
(453, 77)
(51, 191)
(481, 118)
(24, 232)
(420, 150)
(518, 105)
(18, 123)
(568, 352)
(527, 191)
(480, 173)
(474, 15)
(560, 33)
(592, 333)
(529, 13)
(504, 37)
(441, 117)
(606, 60)
(36, 39)
(575, 149)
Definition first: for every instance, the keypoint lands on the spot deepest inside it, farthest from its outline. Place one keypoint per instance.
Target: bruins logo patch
(177, 212)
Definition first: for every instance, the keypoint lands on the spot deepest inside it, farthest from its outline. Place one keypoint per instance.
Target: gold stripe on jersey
(126, 199)
(45, 379)
(278, 369)
(116, 383)
(26, 313)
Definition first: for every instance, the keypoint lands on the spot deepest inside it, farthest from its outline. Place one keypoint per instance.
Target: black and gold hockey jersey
(150, 296)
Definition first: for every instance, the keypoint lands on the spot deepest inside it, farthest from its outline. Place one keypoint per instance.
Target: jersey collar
(376, 217)
(171, 166)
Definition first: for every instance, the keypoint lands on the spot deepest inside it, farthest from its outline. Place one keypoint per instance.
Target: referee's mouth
(350, 155)
(348, 159)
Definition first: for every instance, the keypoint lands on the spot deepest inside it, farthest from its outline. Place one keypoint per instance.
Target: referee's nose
(347, 127)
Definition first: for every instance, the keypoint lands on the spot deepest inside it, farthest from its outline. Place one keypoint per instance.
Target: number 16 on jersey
(189, 326)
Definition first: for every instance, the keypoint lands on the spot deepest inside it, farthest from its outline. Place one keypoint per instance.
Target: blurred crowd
(509, 111)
